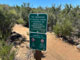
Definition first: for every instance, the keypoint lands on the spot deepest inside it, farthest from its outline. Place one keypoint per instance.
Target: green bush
(57, 29)
(63, 28)
(6, 24)
(20, 21)
(5, 51)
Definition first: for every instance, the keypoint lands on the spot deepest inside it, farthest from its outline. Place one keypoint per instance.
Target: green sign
(38, 28)
(38, 41)
(38, 23)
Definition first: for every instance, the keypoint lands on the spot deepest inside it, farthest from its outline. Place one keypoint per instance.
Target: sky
(42, 3)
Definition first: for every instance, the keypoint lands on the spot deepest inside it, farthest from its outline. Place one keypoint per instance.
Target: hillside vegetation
(64, 22)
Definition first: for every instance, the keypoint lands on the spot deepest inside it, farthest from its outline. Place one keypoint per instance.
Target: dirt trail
(59, 50)
(22, 50)
(56, 48)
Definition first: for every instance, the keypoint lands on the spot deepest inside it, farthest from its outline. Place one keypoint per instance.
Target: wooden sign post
(37, 55)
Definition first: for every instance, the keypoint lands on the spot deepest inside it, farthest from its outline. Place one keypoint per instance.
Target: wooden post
(37, 55)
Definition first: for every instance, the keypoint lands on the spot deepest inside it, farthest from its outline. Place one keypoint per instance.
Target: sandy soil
(56, 48)
(60, 50)
(22, 50)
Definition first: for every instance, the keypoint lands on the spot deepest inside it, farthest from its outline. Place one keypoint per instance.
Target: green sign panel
(38, 41)
(38, 23)
(38, 28)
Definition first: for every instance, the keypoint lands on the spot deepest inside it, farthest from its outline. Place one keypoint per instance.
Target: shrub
(6, 24)
(5, 51)
(20, 21)
(63, 28)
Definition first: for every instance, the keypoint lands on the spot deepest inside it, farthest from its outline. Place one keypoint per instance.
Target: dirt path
(56, 48)
(59, 50)
(22, 51)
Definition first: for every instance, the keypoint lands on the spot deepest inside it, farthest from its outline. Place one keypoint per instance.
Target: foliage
(63, 22)
(20, 21)
(56, 17)
(64, 28)
(6, 24)
(25, 9)
(7, 20)
(5, 51)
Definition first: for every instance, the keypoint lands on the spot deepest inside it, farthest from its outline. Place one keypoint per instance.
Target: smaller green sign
(38, 41)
